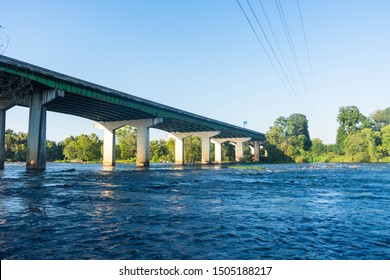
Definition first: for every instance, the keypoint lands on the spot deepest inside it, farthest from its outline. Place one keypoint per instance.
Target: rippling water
(76, 211)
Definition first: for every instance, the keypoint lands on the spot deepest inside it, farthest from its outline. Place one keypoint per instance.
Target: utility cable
(273, 51)
(266, 52)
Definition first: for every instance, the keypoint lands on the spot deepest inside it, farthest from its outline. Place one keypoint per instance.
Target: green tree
(350, 120)
(159, 150)
(290, 136)
(192, 149)
(83, 147)
(88, 147)
(318, 148)
(384, 148)
(298, 127)
(15, 145)
(228, 152)
(127, 141)
(54, 151)
(70, 149)
(381, 118)
(170, 144)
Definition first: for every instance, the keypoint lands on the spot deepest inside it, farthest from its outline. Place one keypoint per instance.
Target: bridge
(43, 90)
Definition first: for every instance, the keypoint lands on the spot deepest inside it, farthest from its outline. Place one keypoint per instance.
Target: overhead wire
(266, 52)
(294, 55)
(292, 48)
(276, 56)
(311, 66)
(277, 42)
(289, 79)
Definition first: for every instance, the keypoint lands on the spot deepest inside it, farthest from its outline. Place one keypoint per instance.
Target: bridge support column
(4, 106)
(218, 149)
(109, 140)
(179, 144)
(2, 138)
(238, 143)
(256, 147)
(205, 136)
(109, 147)
(143, 153)
(36, 141)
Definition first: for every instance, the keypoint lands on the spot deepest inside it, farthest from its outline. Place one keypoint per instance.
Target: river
(292, 211)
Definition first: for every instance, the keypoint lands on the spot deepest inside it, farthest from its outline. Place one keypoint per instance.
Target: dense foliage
(82, 148)
(16, 147)
(291, 136)
(359, 139)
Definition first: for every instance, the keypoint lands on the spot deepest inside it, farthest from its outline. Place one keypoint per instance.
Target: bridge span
(45, 90)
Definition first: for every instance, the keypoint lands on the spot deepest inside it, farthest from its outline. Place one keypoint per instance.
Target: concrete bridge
(44, 90)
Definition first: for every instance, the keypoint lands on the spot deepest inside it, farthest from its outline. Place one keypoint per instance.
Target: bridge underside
(44, 90)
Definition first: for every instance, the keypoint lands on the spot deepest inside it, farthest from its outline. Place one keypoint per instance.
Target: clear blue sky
(202, 56)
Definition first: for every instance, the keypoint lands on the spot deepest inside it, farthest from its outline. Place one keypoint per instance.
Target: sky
(202, 56)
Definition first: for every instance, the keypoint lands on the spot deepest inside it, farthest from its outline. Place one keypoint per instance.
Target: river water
(307, 211)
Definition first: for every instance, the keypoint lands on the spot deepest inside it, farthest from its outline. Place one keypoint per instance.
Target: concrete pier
(2, 138)
(143, 151)
(109, 129)
(4, 106)
(256, 147)
(205, 136)
(179, 145)
(218, 148)
(237, 142)
(36, 141)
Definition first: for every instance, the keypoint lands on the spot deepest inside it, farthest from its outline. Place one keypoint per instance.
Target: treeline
(89, 148)
(359, 139)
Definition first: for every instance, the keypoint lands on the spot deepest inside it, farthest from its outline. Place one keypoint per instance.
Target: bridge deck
(98, 103)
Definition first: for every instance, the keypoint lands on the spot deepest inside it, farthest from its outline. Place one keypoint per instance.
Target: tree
(361, 146)
(381, 118)
(88, 147)
(351, 121)
(192, 149)
(83, 148)
(318, 147)
(228, 152)
(70, 150)
(170, 144)
(54, 151)
(159, 150)
(298, 127)
(15, 145)
(291, 136)
(127, 142)
(349, 118)
(385, 141)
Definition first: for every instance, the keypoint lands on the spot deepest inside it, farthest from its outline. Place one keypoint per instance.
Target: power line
(291, 45)
(308, 53)
(276, 57)
(277, 43)
(310, 64)
(265, 51)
